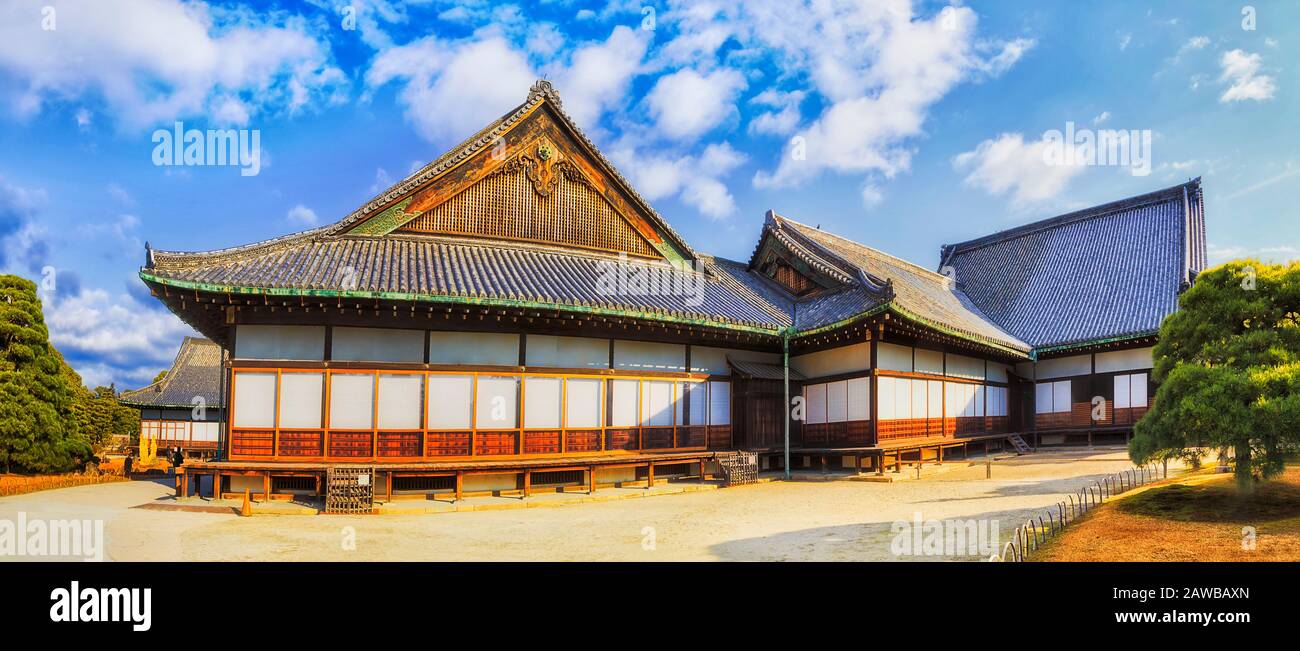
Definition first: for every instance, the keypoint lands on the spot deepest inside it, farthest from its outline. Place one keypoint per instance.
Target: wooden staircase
(739, 467)
(350, 490)
(1019, 444)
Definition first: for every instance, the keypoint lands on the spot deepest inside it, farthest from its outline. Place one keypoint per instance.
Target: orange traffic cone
(247, 509)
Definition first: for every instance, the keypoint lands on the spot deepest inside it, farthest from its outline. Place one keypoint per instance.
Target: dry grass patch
(1194, 518)
(19, 484)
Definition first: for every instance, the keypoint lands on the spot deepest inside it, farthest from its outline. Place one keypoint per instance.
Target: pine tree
(1228, 370)
(38, 431)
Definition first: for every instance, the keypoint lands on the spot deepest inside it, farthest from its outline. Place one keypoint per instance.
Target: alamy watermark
(921, 537)
(624, 278)
(212, 147)
(64, 539)
(1099, 148)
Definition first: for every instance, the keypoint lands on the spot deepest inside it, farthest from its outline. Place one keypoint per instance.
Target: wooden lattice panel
(506, 206)
(350, 489)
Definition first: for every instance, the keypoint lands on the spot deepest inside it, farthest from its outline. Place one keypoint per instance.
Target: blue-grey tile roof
(468, 268)
(1108, 272)
(195, 373)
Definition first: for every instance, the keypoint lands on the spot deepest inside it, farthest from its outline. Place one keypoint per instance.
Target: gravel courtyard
(777, 521)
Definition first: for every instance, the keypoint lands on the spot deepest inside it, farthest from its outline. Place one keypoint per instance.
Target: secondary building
(184, 408)
(515, 315)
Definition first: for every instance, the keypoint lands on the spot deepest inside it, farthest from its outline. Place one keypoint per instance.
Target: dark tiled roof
(426, 267)
(761, 371)
(883, 279)
(1107, 272)
(196, 371)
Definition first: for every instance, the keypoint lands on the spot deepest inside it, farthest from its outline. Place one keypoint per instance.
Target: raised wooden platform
(521, 466)
(895, 452)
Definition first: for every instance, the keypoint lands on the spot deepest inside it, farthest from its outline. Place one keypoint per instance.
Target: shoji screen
(699, 399)
(623, 399)
(656, 403)
(451, 401)
(542, 402)
(815, 404)
(401, 399)
(301, 395)
(254, 400)
(582, 397)
(352, 401)
(719, 403)
(837, 402)
(498, 402)
(859, 399)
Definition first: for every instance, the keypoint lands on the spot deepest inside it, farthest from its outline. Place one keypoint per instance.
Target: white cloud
(1105, 115)
(687, 104)
(1009, 165)
(697, 179)
(880, 68)
(784, 116)
(302, 215)
(383, 180)
(155, 61)
(598, 75)
(1219, 254)
(114, 338)
(1240, 70)
(446, 87)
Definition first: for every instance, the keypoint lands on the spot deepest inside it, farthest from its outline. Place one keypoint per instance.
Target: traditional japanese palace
(183, 409)
(514, 315)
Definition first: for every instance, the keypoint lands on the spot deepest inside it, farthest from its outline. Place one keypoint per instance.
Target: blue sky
(921, 123)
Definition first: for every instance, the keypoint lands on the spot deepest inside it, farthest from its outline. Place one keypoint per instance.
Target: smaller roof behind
(882, 281)
(195, 373)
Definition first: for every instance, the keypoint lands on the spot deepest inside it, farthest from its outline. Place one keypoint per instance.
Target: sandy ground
(803, 521)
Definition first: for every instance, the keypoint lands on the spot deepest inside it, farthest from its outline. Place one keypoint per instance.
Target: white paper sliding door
(401, 399)
(498, 402)
(451, 402)
(254, 400)
(582, 398)
(301, 396)
(352, 401)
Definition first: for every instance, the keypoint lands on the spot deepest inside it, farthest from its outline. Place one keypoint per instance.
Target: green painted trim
(391, 219)
(461, 300)
(957, 333)
(842, 322)
(1095, 342)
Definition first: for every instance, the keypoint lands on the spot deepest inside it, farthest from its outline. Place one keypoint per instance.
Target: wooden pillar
(701, 471)
(185, 484)
(879, 462)
(266, 487)
(528, 482)
(591, 480)
(823, 464)
(857, 464)
(459, 484)
(898, 461)
(939, 461)
(216, 485)
(388, 486)
(650, 475)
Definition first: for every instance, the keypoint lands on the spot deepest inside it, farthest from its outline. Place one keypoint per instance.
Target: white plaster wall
(1125, 360)
(893, 357)
(833, 361)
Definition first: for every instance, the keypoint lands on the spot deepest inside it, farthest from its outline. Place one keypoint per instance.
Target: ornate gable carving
(570, 199)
